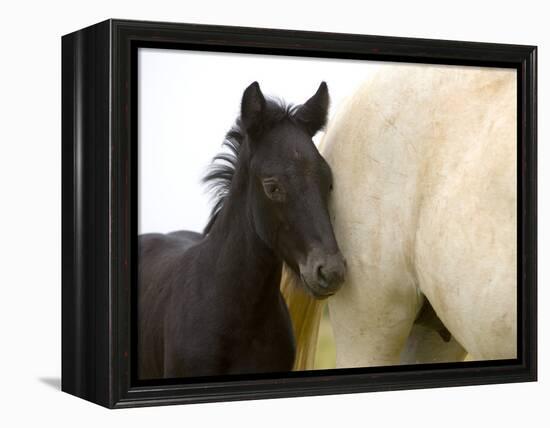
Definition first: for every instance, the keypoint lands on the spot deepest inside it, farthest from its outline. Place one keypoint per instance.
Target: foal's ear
(252, 107)
(313, 114)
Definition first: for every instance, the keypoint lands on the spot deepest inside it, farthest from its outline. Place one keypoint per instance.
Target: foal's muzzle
(323, 273)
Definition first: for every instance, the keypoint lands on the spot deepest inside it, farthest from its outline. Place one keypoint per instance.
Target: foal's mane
(223, 166)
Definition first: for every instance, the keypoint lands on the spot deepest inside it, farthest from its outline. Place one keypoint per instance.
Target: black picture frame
(99, 181)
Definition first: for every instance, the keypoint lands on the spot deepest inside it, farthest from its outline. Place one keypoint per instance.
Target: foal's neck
(245, 262)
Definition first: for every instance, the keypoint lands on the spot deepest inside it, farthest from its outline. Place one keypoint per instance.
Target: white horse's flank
(424, 204)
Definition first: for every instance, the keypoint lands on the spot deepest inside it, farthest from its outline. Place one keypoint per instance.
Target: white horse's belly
(425, 198)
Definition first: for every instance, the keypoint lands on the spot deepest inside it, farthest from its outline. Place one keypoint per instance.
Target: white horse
(424, 207)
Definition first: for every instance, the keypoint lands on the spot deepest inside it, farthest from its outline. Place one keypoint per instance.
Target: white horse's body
(424, 164)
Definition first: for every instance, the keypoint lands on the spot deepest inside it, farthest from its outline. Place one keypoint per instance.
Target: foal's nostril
(321, 276)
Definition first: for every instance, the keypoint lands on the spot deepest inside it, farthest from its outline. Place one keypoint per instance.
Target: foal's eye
(274, 190)
(330, 188)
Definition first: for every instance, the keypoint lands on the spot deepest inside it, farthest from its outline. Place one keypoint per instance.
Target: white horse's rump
(424, 204)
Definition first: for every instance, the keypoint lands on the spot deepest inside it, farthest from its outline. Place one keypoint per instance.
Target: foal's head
(289, 184)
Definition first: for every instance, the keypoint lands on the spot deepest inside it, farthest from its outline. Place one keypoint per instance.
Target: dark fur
(210, 304)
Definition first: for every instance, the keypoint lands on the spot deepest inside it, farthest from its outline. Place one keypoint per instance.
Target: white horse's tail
(305, 312)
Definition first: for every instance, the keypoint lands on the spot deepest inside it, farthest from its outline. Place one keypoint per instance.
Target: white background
(31, 208)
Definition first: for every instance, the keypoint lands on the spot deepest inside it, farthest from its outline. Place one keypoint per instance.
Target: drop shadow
(52, 382)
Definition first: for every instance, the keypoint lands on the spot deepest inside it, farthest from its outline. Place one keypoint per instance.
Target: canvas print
(308, 213)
